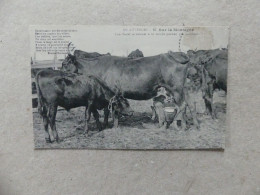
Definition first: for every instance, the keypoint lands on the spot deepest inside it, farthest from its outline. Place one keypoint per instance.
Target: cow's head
(69, 63)
(120, 105)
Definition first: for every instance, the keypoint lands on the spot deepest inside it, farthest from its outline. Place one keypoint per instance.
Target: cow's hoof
(160, 125)
(86, 133)
(99, 127)
(208, 114)
(105, 126)
(58, 140)
(52, 139)
(49, 140)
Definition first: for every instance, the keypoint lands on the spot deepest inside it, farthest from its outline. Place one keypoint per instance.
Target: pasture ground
(135, 132)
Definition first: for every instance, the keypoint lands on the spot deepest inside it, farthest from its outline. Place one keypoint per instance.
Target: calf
(56, 88)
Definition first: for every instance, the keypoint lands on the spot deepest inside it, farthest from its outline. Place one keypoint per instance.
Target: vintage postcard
(129, 87)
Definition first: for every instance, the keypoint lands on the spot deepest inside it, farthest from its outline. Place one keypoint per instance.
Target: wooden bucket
(170, 113)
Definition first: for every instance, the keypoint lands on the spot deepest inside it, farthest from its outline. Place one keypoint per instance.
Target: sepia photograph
(129, 87)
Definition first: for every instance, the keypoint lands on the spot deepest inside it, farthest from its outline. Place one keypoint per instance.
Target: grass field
(135, 132)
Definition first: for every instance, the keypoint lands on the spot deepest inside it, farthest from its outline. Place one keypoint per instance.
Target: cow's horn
(69, 48)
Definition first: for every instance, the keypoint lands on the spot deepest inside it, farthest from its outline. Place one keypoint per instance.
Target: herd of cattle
(102, 81)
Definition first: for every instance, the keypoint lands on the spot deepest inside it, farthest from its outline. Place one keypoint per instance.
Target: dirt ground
(135, 132)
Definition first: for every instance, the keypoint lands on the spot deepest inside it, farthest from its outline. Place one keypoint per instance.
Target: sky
(151, 40)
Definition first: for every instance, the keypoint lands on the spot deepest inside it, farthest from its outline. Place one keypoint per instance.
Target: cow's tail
(41, 106)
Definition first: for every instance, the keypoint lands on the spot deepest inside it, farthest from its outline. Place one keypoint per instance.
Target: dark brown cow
(56, 88)
(83, 54)
(138, 78)
(136, 54)
(213, 66)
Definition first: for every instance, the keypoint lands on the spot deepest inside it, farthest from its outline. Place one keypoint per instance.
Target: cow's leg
(52, 116)
(106, 114)
(207, 105)
(208, 100)
(96, 116)
(87, 116)
(211, 91)
(46, 124)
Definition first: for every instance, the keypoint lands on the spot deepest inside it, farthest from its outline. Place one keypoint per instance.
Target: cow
(83, 54)
(213, 67)
(56, 88)
(136, 54)
(138, 78)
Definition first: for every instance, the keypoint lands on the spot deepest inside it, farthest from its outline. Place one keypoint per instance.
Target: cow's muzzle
(128, 112)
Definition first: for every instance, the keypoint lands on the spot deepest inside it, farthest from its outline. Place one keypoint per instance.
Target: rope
(110, 105)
